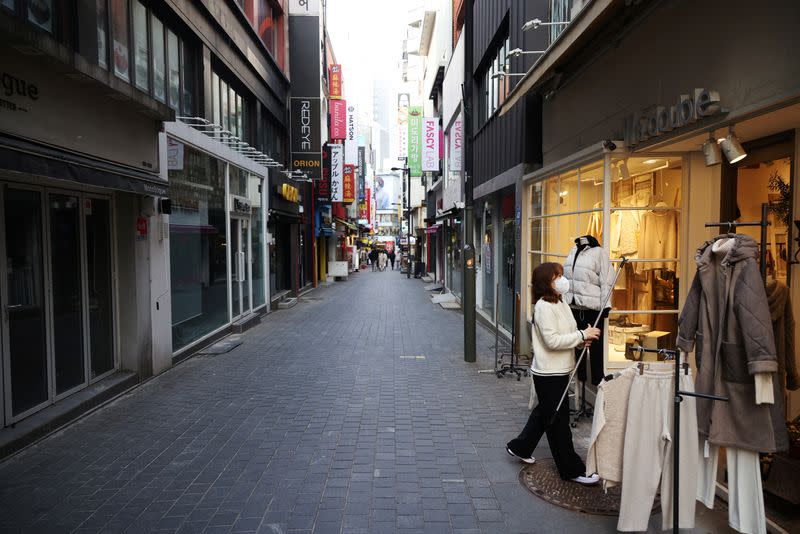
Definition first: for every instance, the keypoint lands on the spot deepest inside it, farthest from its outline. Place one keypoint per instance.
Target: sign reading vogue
(658, 120)
(306, 149)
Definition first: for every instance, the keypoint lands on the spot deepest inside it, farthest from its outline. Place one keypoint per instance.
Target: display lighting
(731, 147)
(536, 23)
(519, 52)
(711, 151)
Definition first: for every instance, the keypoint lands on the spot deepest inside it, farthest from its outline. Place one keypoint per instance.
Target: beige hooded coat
(726, 318)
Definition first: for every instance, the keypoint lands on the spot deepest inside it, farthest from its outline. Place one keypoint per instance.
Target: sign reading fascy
(351, 140)
(415, 140)
(430, 144)
(337, 173)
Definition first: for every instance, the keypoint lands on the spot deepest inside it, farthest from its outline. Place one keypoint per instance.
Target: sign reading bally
(349, 189)
(335, 82)
(415, 140)
(337, 173)
(338, 119)
(430, 144)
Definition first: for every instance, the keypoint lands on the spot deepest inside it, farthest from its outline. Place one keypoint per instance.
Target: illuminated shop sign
(661, 119)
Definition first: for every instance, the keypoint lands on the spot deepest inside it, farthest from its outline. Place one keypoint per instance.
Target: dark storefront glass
(65, 253)
(119, 27)
(257, 230)
(98, 260)
(198, 247)
(141, 47)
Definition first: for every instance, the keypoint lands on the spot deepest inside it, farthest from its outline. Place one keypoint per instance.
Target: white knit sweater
(555, 336)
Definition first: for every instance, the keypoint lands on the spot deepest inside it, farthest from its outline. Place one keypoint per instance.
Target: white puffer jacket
(590, 280)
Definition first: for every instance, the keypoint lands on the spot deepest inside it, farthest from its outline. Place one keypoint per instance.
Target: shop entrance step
(246, 323)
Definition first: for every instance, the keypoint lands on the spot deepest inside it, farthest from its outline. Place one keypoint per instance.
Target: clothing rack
(676, 421)
(763, 223)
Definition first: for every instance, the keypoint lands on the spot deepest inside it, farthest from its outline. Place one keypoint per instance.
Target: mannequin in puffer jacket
(590, 274)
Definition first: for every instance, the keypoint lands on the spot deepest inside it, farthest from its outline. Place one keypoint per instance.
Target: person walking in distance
(373, 258)
(554, 337)
(391, 257)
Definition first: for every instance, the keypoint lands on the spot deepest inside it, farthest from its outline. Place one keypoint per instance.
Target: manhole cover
(542, 480)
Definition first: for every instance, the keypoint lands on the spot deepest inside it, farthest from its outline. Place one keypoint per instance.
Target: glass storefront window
(187, 80)
(198, 248)
(159, 60)
(254, 190)
(216, 114)
(173, 56)
(41, 14)
(141, 47)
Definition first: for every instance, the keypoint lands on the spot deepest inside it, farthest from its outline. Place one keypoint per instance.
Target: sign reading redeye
(306, 140)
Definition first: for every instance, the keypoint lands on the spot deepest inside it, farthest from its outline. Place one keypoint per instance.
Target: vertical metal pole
(676, 445)
(468, 259)
(763, 252)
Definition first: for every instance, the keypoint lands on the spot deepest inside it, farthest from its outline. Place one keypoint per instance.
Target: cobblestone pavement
(352, 412)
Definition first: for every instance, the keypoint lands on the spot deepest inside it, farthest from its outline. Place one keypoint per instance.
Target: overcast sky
(367, 39)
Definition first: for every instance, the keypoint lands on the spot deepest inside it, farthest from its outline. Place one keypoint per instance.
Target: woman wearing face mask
(555, 336)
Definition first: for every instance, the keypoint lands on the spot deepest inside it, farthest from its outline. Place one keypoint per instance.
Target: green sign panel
(415, 140)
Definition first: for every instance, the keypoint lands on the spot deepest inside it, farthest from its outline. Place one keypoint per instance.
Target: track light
(536, 23)
(731, 147)
(518, 52)
(711, 151)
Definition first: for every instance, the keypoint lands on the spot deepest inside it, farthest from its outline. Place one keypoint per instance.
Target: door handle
(9, 308)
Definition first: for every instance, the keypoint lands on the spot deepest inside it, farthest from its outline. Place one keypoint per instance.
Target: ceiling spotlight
(711, 151)
(731, 147)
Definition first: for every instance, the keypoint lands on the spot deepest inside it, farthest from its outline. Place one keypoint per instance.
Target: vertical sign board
(349, 184)
(335, 82)
(415, 140)
(351, 140)
(306, 136)
(456, 146)
(338, 119)
(362, 173)
(430, 144)
(337, 173)
(368, 202)
(322, 187)
(305, 120)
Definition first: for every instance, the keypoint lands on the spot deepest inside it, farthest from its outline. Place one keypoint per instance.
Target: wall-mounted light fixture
(731, 147)
(711, 151)
(504, 74)
(519, 52)
(536, 23)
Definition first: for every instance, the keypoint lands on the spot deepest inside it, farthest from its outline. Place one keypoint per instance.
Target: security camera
(609, 145)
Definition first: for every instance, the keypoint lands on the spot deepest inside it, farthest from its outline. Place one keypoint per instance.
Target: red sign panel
(141, 228)
(338, 119)
(349, 190)
(368, 202)
(335, 82)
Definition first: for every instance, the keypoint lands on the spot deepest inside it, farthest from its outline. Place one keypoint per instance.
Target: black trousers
(595, 354)
(549, 390)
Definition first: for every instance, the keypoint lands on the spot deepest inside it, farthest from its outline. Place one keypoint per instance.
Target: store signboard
(337, 173)
(240, 205)
(456, 146)
(415, 140)
(335, 82)
(351, 139)
(361, 173)
(430, 144)
(657, 120)
(322, 187)
(304, 7)
(174, 155)
(349, 184)
(368, 202)
(338, 110)
(306, 136)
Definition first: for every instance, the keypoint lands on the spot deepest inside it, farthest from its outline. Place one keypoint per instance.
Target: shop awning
(432, 229)
(346, 223)
(447, 214)
(283, 215)
(26, 157)
(574, 38)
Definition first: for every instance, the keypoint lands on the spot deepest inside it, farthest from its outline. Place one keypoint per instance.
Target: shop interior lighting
(650, 161)
(711, 151)
(536, 23)
(519, 52)
(731, 147)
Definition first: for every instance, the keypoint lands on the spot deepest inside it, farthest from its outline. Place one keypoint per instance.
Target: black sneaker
(529, 460)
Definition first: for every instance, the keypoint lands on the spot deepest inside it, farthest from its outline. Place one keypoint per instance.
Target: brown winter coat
(727, 319)
(780, 310)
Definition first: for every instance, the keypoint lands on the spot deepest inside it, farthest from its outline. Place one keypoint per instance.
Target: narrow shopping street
(351, 412)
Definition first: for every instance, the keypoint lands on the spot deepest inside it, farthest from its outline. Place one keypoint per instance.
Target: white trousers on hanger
(745, 497)
(648, 450)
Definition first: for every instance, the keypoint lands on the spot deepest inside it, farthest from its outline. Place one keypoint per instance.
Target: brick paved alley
(328, 432)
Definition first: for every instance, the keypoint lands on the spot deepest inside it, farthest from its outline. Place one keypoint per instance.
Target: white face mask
(561, 285)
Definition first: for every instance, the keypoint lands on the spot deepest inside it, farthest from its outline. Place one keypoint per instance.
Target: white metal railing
(224, 136)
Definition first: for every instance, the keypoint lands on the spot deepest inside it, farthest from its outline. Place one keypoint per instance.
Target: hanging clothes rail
(763, 223)
(676, 421)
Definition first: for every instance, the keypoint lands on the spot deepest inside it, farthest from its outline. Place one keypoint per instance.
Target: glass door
(240, 266)
(97, 216)
(24, 329)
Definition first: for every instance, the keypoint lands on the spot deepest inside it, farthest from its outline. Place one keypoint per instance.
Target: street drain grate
(542, 480)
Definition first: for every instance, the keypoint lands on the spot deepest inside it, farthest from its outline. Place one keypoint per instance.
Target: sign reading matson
(430, 144)
(415, 140)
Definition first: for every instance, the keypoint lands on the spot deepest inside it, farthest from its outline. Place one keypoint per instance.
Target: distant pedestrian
(382, 260)
(373, 259)
(391, 258)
